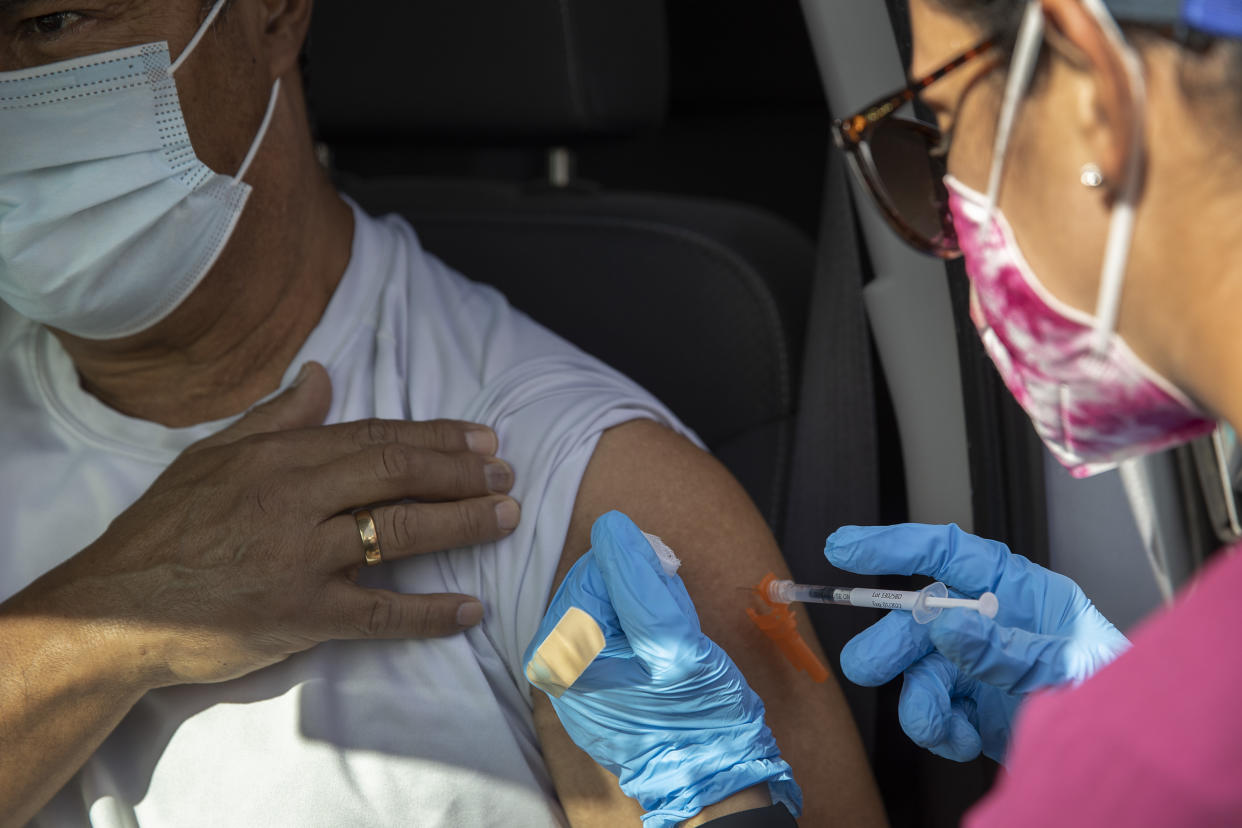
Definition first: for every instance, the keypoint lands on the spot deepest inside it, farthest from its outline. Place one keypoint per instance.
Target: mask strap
(258, 138)
(1021, 69)
(271, 101)
(202, 30)
(1121, 222)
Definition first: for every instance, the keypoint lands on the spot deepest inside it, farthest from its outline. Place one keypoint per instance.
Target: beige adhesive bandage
(565, 654)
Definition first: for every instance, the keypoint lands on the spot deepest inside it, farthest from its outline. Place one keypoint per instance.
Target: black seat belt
(834, 467)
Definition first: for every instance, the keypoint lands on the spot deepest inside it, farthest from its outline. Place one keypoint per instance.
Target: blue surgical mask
(108, 219)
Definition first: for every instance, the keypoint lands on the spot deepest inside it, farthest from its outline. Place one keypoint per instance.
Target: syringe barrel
(882, 598)
(925, 604)
(787, 592)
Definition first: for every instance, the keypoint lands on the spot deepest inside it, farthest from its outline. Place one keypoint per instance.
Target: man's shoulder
(389, 254)
(436, 312)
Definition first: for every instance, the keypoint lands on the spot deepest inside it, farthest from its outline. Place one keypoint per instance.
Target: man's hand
(244, 550)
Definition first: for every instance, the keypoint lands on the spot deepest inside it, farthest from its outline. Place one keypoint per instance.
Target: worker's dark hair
(989, 15)
(994, 18)
(1211, 67)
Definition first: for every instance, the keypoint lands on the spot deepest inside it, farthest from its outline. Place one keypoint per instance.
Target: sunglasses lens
(911, 178)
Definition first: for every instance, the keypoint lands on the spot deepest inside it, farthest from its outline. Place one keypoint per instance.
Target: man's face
(223, 86)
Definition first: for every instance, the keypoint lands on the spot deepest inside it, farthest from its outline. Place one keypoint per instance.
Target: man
(156, 552)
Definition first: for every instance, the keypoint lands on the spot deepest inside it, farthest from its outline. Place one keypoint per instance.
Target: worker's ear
(286, 23)
(1107, 106)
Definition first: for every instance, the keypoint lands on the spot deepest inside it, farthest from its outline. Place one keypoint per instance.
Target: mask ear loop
(1121, 222)
(198, 35)
(271, 101)
(258, 138)
(1021, 70)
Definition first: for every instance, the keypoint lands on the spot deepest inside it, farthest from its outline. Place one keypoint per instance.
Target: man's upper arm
(673, 489)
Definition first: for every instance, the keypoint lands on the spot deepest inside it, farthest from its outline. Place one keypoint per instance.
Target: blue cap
(1216, 17)
(1222, 18)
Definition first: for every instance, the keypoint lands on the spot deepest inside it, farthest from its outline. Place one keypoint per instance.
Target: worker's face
(1059, 224)
(223, 86)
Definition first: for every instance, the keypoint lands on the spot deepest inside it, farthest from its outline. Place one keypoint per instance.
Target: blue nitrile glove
(660, 705)
(965, 674)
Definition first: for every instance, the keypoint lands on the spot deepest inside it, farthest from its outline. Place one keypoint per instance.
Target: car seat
(701, 301)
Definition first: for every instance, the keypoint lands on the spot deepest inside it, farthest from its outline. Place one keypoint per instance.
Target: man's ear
(285, 28)
(1107, 108)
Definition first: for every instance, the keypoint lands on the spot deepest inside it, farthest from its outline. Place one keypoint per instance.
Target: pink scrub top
(1155, 738)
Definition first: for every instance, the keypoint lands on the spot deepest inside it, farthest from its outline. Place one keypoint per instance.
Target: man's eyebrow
(10, 6)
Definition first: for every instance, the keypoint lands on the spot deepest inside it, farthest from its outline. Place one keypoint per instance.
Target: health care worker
(1094, 188)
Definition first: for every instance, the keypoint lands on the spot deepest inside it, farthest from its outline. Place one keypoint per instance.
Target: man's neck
(230, 343)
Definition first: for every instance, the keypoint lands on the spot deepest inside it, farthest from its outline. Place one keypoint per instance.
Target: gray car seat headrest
(543, 70)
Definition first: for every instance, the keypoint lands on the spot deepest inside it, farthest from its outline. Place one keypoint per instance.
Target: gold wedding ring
(370, 540)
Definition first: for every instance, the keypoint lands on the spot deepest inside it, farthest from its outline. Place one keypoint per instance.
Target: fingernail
(507, 515)
(302, 375)
(469, 613)
(482, 441)
(499, 476)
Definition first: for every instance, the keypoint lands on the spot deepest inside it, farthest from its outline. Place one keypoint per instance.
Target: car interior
(656, 181)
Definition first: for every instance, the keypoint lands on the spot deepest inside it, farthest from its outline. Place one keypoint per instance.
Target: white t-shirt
(432, 732)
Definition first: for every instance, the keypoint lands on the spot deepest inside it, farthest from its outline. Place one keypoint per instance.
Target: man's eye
(52, 24)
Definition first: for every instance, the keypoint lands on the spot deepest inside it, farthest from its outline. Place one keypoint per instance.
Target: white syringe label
(882, 598)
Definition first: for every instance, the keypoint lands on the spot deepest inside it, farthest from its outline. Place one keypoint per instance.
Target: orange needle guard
(781, 626)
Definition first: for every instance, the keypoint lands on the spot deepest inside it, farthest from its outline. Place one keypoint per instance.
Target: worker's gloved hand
(643, 691)
(965, 674)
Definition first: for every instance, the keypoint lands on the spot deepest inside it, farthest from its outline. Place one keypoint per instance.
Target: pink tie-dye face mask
(1092, 408)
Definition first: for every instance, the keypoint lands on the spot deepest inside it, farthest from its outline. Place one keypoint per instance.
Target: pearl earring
(1091, 176)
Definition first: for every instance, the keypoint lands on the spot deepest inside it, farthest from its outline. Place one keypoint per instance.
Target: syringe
(924, 605)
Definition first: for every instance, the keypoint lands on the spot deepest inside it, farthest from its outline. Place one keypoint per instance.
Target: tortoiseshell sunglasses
(902, 163)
